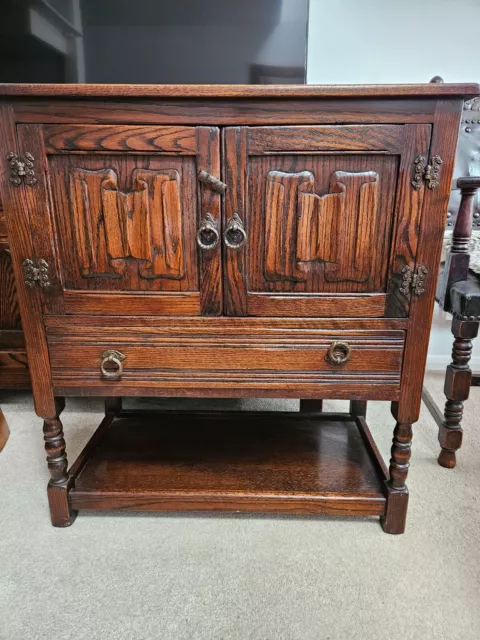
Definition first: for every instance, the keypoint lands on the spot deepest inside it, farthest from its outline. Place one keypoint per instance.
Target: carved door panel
(117, 213)
(322, 219)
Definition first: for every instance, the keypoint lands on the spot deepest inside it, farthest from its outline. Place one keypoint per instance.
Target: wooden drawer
(230, 357)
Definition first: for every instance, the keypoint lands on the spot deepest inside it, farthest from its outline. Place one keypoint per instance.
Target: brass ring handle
(338, 353)
(207, 234)
(235, 234)
(113, 357)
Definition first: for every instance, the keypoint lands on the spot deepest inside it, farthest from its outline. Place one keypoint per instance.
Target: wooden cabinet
(236, 242)
(13, 358)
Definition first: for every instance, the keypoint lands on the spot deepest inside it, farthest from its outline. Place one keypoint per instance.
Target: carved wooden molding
(112, 227)
(303, 227)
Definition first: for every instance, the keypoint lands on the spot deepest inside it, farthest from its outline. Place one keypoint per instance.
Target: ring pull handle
(111, 365)
(235, 234)
(207, 234)
(338, 353)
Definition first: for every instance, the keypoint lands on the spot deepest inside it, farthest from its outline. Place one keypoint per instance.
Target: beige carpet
(236, 577)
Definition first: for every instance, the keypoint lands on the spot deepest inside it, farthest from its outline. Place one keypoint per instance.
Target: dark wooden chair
(459, 294)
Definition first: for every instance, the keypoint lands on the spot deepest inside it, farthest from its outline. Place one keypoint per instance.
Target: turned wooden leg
(60, 512)
(397, 499)
(457, 388)
(113, 405)
(358, 408)
(4, 430)
(311, 406)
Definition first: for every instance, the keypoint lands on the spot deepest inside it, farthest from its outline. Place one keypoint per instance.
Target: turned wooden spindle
(458, 380)
(55, 447)
(400, 460)
(60, 512)
(457, 261)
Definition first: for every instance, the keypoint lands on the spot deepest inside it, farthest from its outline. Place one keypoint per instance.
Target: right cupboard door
(321, 220)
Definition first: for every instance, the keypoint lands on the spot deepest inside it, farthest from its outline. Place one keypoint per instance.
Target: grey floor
(227, 577)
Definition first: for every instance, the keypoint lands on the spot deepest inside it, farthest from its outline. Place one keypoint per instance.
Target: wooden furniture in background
(4, 430)
(229, 241)
(458, 293)
(13, 359)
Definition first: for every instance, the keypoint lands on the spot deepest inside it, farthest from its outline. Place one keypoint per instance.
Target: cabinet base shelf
(231, 461)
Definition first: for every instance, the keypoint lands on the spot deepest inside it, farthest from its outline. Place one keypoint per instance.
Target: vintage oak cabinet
(228, 241)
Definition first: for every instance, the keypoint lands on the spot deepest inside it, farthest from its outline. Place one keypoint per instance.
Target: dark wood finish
(4, 431)
(248, 462)
(166, 358)
(16, 205)
(304, 295)
(238, 91)
(457, 389)
(458, 258)
(311, 406)
(13, 359)
(358, 409)
(309, 231)
(458, 292)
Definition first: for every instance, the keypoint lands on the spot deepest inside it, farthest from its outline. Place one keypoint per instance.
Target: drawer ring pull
(235, 234)
(338, 353)
(207, 234)
(113, 357)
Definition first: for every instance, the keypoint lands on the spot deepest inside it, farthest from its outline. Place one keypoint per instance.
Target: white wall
(389, 41)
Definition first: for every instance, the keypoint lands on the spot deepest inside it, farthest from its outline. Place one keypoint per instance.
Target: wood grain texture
(9, 309)
(227, 111)
(235, 172)
(272, 139)
(208, 159)
(432, 225)
(124, 138)
(408, 211)
(108, 303)
(249, 462)
(125, 223)
(238, 90)
(366, 305)
(17, 204)
(251, 327)
(218, 360)
(303, 216)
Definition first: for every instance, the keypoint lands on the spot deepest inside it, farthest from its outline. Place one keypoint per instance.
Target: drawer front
(176, 360)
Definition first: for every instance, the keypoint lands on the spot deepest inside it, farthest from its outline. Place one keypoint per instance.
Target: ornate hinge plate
(413, 282)
(21, 169)
(426, 174)
(36, 272)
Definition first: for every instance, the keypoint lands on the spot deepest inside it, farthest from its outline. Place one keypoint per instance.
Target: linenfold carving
(303, 227)
(112, 227)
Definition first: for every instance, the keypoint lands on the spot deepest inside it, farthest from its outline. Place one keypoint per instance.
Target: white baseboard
(439, 363)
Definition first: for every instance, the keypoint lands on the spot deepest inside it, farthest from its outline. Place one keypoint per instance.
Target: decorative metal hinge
(36, 272)
(426, 174)
(414, 282)
(21, 169)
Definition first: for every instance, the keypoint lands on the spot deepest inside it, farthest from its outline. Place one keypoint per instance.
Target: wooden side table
(458, 293)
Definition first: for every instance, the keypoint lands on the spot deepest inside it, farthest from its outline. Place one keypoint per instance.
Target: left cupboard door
(121, 220)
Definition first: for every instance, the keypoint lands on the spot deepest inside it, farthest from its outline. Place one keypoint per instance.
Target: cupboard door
(322, 219)
(122, 220)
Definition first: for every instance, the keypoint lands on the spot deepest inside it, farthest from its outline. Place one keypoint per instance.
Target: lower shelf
(263, 462)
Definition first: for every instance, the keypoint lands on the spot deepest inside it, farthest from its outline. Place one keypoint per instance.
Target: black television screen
(154, 41)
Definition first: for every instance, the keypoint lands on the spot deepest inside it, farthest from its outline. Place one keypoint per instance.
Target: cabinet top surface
(240, 91)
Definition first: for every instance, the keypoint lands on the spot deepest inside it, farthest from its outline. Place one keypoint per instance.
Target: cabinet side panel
(18, 226)
(432, 225)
